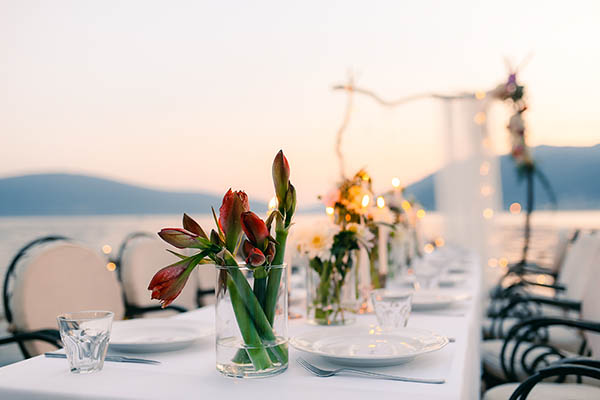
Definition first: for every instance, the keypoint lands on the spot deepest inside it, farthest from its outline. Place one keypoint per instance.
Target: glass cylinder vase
(251, 321)
(397, 252)
(332, 292)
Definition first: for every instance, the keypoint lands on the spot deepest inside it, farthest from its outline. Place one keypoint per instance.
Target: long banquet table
(190, 373)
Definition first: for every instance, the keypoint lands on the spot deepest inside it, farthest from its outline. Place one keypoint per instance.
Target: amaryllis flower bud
(270, 252)
(281, 177)
(215, 238)
(168, 283)
(255, 258)
(247, 248)
(255, 229)
(290, 200)
(192, 226)
(234, 204)
(179, 238)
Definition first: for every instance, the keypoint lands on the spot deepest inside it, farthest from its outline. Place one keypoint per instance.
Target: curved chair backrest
(591, 305)
(564, 238)
(53, 277)
(140, 257)
(577, 264)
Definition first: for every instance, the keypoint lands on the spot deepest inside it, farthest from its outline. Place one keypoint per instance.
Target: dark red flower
(255, 258)
(255, 229)
(168, 282)
(270, 251)
(234, 204)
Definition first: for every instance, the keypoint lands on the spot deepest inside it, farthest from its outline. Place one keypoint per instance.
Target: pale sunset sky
(199, 95)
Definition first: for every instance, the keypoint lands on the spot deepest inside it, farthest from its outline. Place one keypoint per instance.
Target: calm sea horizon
(97, 231)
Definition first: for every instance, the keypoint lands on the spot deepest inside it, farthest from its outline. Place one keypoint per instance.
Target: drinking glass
(85, 335)
(427, 277)
(392, 308)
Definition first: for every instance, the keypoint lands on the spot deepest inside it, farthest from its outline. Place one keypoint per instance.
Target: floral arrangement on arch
(514, 93)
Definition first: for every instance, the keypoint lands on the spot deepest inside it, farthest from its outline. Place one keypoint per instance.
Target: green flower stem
(254, 346)
(260, 285)
(374, 267)
(274, 280)
(256, 312)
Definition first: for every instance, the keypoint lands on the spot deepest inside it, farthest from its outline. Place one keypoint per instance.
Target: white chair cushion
(500, 329)
(591, 307)
(546, 391)
(58, 278)
(490, 355)
(578, 263)
(560, 337)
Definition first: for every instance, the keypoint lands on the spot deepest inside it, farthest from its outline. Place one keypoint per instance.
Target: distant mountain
(573, 172)
(65, 194)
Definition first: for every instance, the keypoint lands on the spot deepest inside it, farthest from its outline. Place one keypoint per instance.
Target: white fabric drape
(467, 188)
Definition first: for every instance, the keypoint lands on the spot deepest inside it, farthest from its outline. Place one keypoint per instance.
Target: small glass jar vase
(251, 321)
(332, 292)
(397, 250)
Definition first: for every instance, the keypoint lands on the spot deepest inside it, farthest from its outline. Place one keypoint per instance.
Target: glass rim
(244, 267)
(72, 316)
(396, 293)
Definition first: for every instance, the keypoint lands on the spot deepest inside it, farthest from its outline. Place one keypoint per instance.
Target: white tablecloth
(190, 373)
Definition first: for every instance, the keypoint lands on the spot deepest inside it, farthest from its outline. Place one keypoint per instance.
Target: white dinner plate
(435, 299)
(368, 346)
(150, 335)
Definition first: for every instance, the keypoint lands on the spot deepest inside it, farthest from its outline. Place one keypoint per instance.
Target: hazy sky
(200, 95)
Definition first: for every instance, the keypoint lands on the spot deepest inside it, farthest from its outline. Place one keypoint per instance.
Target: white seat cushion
(560, 337)
(490, 355)
(545, 391)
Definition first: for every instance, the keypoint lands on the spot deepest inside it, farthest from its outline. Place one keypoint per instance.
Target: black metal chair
(518, 303)
(50, 276)
(46, 335)
(538, 385)
(531, 343)
(521, 271)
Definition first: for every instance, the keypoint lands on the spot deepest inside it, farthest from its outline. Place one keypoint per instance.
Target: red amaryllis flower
(270, 251)
(168, 283)
(234, 204)
(281, 177)
(255, 257)
(259, 246)
(255, 229)
(179, 238)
